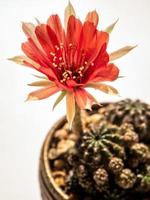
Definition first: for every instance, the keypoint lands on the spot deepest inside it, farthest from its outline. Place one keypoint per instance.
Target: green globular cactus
(110, 158)
(129, 111)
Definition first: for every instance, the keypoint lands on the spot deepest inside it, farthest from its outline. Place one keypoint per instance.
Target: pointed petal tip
(29, 84)
(69, 3)
(41, 83)
(53, 108)
(38, 22)
(23, 23)
(40, 76)
(135, 46)
(17, 59)
(11, 59)
(117, 20)
(92, 17)
(31, 98)
(95, 11)
(69, 11)
(59, 99)
(110, 28)
(121, 52)
(121, 76)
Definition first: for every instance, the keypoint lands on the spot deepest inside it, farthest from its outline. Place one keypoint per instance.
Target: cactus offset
(135, 112)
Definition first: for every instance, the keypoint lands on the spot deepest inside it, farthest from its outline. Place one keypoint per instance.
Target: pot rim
(47, 167)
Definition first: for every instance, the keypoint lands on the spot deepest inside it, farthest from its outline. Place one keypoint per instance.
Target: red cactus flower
(70, 59)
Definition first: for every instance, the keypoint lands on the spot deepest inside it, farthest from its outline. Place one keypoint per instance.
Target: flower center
(69, 62)
(75, 75)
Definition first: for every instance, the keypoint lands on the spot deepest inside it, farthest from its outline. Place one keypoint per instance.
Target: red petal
(74, 28)
(34, 54)
(43, 93)
(52, 36)
(84, 99)
(107, 73)
(102, 39)
(101, 61)
(33, 48)
(29, 30)
(47, 71)
(44, 39)
(103, 57)
(88, 36)
(92, 17)
(91, 41)
(55, 24)
(73, 31)
(32, 51)
(27, 49)
(26, 61)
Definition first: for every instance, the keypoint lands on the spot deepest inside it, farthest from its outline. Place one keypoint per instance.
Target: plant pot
(49, 189)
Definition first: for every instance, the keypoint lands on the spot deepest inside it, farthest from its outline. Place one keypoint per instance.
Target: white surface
(23, 126)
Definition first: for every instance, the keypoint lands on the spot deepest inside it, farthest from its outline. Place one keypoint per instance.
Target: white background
(23, 126)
